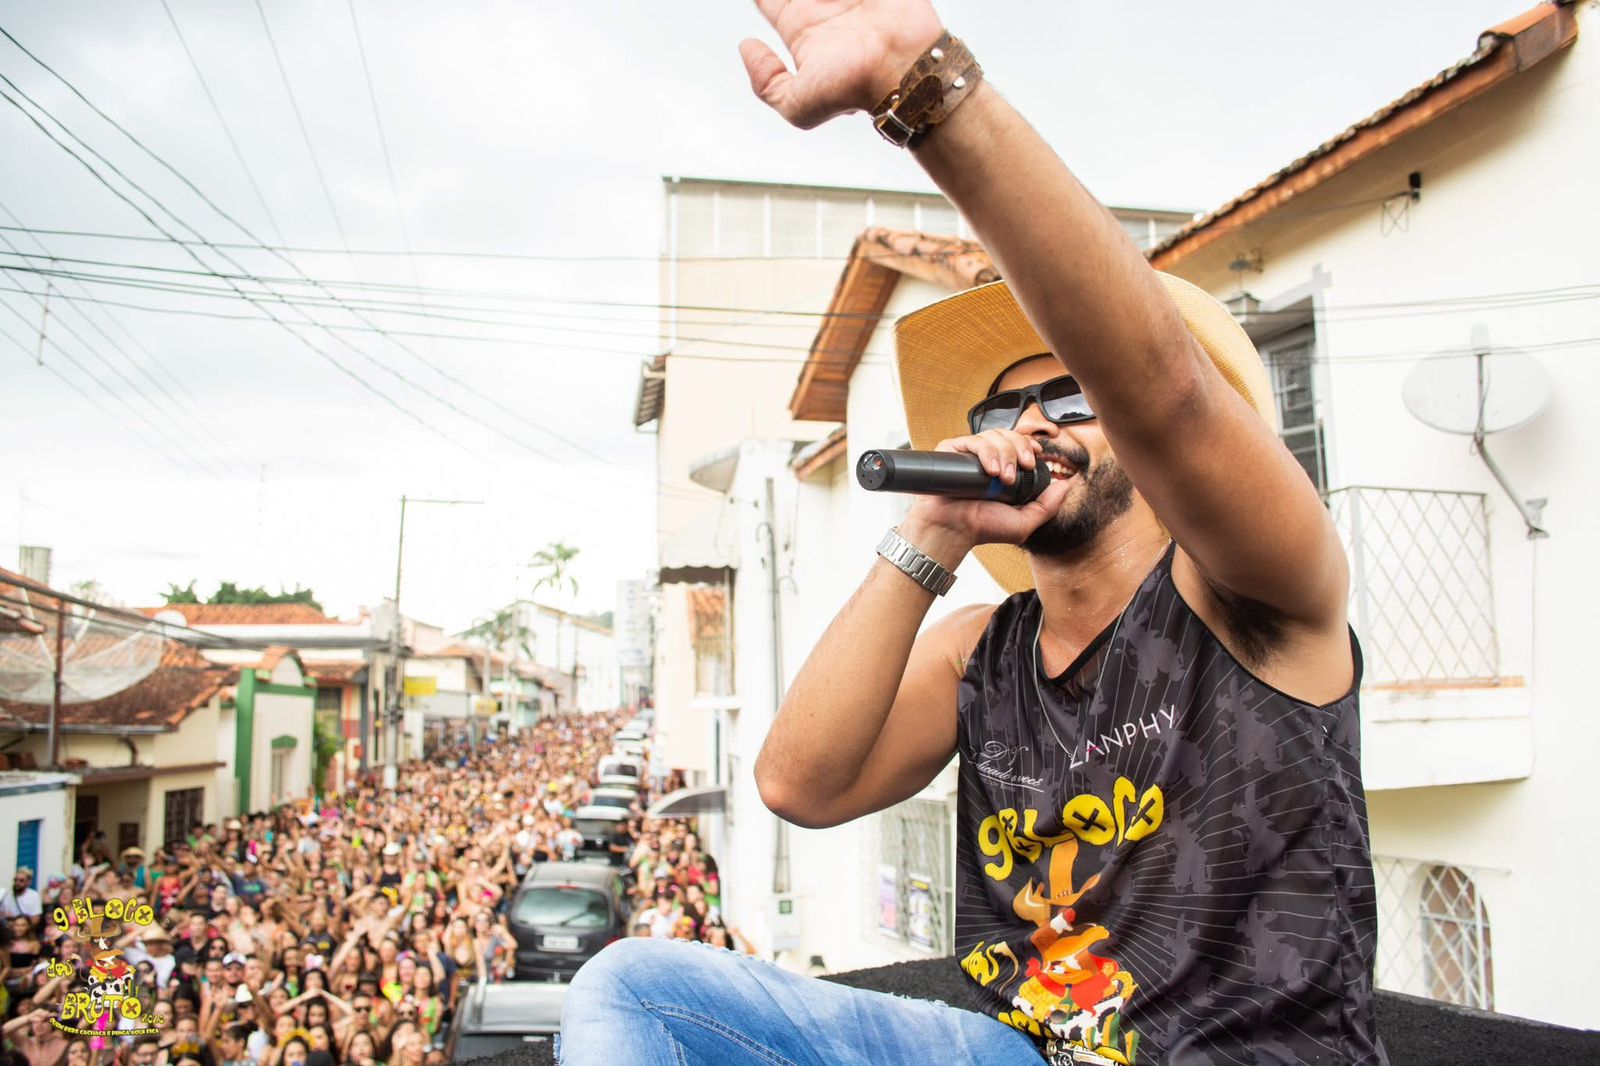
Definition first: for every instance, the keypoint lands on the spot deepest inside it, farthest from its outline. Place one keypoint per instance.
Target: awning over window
(705, 550)
(687, 802)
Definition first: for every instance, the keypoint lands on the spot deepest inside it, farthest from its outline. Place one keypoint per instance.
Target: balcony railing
(1421, 596)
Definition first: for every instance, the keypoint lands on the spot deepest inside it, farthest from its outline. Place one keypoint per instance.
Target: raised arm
(1215, 474)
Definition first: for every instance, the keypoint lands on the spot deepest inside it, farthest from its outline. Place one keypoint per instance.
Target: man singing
(1162, 834)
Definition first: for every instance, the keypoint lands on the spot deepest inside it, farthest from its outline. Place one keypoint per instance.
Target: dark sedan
(563, 914)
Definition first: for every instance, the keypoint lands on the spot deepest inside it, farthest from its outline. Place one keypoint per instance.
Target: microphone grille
(1032, 483)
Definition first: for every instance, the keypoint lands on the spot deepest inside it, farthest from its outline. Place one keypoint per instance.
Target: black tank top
(1161, 858)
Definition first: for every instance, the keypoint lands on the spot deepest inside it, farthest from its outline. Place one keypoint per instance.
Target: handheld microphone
(954, 474)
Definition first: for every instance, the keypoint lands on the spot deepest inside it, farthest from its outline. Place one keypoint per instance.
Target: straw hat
(951, 352)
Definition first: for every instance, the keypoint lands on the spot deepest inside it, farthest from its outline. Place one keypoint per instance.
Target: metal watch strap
(939, 80)
(919, 567)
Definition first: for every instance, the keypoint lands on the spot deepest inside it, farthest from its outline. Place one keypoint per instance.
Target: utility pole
(55, 699)
(396, 672)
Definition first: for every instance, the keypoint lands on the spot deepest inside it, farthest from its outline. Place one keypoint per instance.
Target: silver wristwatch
(923, 570)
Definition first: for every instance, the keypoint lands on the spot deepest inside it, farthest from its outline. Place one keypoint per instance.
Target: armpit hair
(1257, 629)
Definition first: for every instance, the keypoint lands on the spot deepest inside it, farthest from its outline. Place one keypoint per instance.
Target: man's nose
(1032, 422)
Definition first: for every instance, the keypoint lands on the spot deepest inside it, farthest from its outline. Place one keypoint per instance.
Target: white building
(1406, 235)
(39, 805)
(578, 653)
(1465, 207)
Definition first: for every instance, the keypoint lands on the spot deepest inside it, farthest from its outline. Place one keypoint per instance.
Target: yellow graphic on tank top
(1070, 996)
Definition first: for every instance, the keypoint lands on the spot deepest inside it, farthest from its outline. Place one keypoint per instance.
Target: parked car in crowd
(618, 769)
(605, 834)
(619, 797)
(505, 1017)
(629, 741)
(563, 914)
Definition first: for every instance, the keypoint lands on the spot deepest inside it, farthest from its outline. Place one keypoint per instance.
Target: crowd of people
(343, 930)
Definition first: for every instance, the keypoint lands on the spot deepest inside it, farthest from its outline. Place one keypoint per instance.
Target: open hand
(848, 54)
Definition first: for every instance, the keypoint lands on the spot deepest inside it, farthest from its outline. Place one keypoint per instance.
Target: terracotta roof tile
(334, 670)
(12, 621)
(245, 614)
(473, 653)
(184, 681)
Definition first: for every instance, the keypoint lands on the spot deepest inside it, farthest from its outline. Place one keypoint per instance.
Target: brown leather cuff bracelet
(938, 81)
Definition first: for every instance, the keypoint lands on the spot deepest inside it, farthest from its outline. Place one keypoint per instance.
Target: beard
(1107, 495)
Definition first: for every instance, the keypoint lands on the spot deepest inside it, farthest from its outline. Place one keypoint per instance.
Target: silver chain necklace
(1038, 669)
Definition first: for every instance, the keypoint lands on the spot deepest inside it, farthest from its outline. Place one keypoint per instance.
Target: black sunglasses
(1061, 400)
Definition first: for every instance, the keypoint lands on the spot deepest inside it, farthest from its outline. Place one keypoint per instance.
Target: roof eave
(1503, 52)
(878, 258)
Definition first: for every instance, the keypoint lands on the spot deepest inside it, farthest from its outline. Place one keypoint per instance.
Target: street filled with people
(354, 927)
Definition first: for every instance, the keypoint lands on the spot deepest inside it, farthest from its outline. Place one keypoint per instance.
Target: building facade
(1373, 273)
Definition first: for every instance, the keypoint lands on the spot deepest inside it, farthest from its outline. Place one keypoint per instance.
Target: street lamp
(391, 770)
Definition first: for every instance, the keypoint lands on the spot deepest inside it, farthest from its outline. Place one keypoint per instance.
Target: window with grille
(1290, 361)
(280, 775)
(708, 633)
(911, 859)
(181, 808)
(330, 699)
(1455, 938)
(1433, 933)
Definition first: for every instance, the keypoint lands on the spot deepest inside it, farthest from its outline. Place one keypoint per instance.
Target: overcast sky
(238, 452)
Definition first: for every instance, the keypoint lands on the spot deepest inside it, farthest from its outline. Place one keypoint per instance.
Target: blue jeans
(645, 1002)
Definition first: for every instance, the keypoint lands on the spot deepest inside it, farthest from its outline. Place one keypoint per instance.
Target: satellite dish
(99, 657)
(1476, 392)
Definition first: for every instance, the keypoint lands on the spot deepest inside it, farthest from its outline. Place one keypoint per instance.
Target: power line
(795, 360)
(227, 131)
(240, 292)
(821, 356)
(186, 247)
(198, 419)
(305, 134)
(140, 393)
(441, 371)
(383, 142)
(1342, 313)
(658, 307)
(108, 412)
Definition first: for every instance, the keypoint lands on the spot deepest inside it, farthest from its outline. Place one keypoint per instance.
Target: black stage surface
(1416, 1032)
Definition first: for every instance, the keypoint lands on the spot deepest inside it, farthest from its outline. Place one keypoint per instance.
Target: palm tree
(552, 563)
(504, 631)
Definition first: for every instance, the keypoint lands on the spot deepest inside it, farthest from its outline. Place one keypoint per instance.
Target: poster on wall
(889, 901)
(919, 910)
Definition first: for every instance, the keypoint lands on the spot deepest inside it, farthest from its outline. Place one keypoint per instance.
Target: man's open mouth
(1060, 469)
